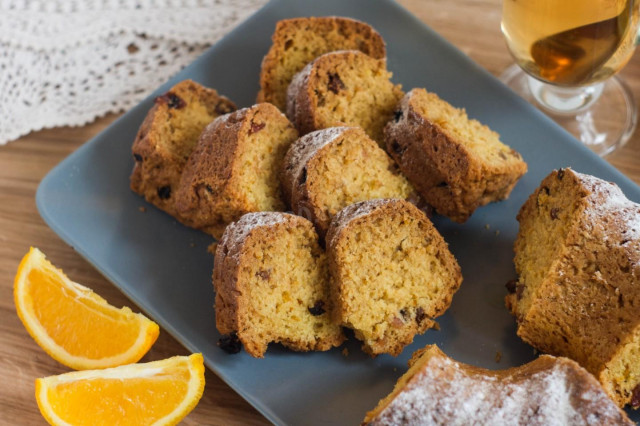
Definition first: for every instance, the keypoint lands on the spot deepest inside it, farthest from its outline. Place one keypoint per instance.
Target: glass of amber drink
(566, 53)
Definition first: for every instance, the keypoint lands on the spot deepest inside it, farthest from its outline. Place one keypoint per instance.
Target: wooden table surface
(472, 25)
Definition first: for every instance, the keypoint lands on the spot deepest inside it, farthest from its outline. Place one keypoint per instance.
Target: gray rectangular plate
(164, 267)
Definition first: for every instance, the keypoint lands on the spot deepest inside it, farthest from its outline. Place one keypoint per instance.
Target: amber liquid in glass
(571, 42)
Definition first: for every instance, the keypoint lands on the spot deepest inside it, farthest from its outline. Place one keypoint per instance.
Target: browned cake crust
(343, 88)
(234, 168)
(578, 293)
(167, 137)
(440, 391)
(327, 170)
(298, 41)
(392, 272)
(456, 164)
(282, 297)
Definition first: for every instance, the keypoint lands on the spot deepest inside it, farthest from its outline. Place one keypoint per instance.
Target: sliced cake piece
(343, 88)
(298, 41)
(272, 285)
(168, 135)
(578, 292)
(455, 163)
(392, 273)
(234, 168)
(327, 170)
(547, 391)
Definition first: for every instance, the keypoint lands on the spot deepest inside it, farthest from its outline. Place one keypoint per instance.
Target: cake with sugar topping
(456, 164)
(391, 271)
(272, 285)
(234, 168)
(437, 390)
(343, 88)
(298, 41)
(577, 255)
(327, 170)
(167, 137)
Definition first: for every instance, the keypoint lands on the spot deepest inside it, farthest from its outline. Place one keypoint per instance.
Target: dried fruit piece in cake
(168, 135)
(272, 285)
(343, 88)
(234, 168)
(455, 163)
(578, 292)
(392, 273)
(327, 170)
(298, 41)
(440, 391)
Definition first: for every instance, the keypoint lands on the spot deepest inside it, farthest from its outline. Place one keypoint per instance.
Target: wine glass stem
(564, 100)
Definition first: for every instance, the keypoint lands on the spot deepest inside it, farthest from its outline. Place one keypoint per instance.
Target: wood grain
(472, 25)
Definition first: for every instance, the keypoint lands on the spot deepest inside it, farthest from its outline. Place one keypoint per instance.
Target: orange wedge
(155, 393)
(74, 325)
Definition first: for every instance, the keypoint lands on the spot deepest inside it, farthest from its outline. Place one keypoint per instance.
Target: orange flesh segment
(64, 314)
(79, 403)
(74, 325)
(159, 393)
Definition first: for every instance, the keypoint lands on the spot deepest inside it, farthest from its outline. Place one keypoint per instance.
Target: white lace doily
(66, 62)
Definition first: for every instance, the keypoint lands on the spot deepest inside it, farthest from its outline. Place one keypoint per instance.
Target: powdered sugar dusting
(237, 232)
(305, 148)
(446, 392)
(352, 212)
(609, 203)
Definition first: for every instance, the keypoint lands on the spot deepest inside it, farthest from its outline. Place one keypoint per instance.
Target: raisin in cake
(578, 292)
(455, 163)
(392, 273)
(343, 88)
(234, 168)
(272, 285)
(547, 391)
(298, 41)
(168, 135)
(327, 170)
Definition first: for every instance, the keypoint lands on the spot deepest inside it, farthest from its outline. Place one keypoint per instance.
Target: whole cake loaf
(577, 255)
(272, 285)
(547, 391)
(327, 170)
(168, 135)
(391, 273)
(298, 41)
(455, 163)
(234, 168)
(343, 88)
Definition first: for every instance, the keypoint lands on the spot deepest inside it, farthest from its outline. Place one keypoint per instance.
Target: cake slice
(168, 135)
(547, 391)
(577, 255)
(298, 41)
(343, 88)
(455, 163)
(327, 170)
(392, 273)
(272, 285)
(234, 168)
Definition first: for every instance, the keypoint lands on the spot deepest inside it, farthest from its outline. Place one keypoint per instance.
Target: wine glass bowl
(566, 55)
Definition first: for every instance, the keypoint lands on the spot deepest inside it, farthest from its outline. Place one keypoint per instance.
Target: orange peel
(74, 325)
